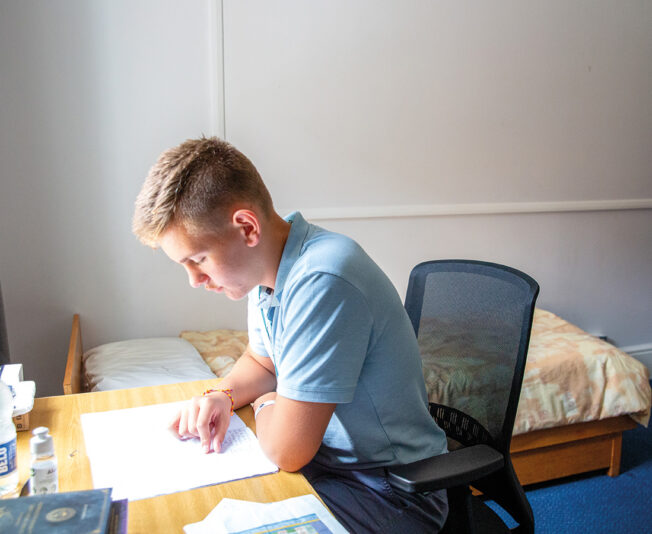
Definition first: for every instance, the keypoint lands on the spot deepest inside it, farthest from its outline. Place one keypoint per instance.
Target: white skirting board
(643, 353)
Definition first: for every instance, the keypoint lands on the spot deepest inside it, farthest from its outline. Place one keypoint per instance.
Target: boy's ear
(247, 223)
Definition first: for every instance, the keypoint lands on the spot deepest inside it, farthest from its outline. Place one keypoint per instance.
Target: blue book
(74, 512)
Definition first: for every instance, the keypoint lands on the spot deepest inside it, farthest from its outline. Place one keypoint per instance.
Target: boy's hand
(206, 417)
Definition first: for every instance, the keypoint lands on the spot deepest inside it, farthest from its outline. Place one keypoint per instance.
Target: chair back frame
(414, 305)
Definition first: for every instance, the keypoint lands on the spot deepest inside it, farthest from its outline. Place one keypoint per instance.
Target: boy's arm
(289, 431)
(208, 417)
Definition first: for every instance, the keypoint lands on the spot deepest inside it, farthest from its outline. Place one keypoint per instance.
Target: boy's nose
(196, 278)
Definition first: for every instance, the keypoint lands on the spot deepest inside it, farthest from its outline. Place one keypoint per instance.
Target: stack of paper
(133, 452)
(305, 515)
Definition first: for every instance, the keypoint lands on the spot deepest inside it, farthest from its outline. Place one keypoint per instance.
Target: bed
(579, 392)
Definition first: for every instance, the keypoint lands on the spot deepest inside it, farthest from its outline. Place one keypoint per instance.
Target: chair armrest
(457, 468)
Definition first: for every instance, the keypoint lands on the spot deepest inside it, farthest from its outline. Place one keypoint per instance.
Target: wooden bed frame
(537, 456)
(73, 381)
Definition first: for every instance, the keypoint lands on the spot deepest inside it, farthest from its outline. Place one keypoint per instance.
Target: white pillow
(143, 362)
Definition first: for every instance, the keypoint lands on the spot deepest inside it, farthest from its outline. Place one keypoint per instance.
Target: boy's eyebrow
(189, 257)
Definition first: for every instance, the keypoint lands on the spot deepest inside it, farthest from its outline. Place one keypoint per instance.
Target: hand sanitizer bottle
(44, 477)
(8, 467)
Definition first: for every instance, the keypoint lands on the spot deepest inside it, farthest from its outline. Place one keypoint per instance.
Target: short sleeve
(326, 334)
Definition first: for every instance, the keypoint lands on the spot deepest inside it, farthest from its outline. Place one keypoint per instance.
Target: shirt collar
(299, 227)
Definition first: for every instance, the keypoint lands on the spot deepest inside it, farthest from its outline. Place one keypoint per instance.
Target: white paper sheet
(133, 452)
(305, 514)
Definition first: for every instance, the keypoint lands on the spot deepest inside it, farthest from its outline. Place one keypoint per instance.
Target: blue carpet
(597, 503)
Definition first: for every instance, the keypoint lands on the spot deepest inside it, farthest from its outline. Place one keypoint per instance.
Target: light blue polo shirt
(337, 332)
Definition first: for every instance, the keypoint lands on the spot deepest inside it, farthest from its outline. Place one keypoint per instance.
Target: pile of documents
(305, 514)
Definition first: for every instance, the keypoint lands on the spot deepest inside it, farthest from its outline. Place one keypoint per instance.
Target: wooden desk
(167, 513)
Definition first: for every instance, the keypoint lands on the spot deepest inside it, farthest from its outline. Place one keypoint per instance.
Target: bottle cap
(41, 444)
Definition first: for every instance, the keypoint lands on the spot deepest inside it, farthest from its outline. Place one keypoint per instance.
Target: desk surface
(167, 513)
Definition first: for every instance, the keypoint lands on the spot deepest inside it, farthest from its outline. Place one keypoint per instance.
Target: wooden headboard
(72, 378)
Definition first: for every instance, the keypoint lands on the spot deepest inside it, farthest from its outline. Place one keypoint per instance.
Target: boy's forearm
(249, 379)
(289, 431)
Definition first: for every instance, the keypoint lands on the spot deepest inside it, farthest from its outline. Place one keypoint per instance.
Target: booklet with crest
(73, 512)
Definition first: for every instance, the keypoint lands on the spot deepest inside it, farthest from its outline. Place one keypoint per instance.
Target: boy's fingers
(173, 426)
(218, 439)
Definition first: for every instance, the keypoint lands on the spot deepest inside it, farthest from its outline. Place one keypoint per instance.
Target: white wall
(442, 102)
(91, 93)
(341, 105)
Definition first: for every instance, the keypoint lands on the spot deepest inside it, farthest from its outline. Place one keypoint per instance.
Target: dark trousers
(364, 502)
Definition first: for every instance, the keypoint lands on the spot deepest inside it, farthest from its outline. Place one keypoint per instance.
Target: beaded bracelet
(227, 392)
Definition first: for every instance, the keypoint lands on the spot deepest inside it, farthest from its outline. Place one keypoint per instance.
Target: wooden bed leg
(616, 450)
(72, 382)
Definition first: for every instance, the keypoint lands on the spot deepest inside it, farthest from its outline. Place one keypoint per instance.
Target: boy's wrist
(227, 392)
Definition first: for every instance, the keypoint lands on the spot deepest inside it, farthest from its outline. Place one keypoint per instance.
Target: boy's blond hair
(195, 184)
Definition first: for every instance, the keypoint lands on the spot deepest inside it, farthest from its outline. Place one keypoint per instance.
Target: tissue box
(12, 374)
(22, 422)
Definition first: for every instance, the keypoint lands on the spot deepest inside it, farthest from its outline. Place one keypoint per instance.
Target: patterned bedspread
(570, 376)
(219, 348)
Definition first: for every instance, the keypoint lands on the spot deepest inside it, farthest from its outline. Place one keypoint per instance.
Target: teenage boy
(332, 367)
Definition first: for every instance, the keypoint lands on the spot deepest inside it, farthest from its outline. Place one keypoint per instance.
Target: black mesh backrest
(473, 322)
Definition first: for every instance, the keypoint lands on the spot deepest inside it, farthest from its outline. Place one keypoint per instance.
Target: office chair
(472, 321)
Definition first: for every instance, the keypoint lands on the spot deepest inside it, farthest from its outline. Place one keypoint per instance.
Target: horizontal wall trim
(643, 353)
(491, 208)
(638, 350)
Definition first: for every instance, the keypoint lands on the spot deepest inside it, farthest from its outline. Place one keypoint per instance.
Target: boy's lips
(213, 288)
